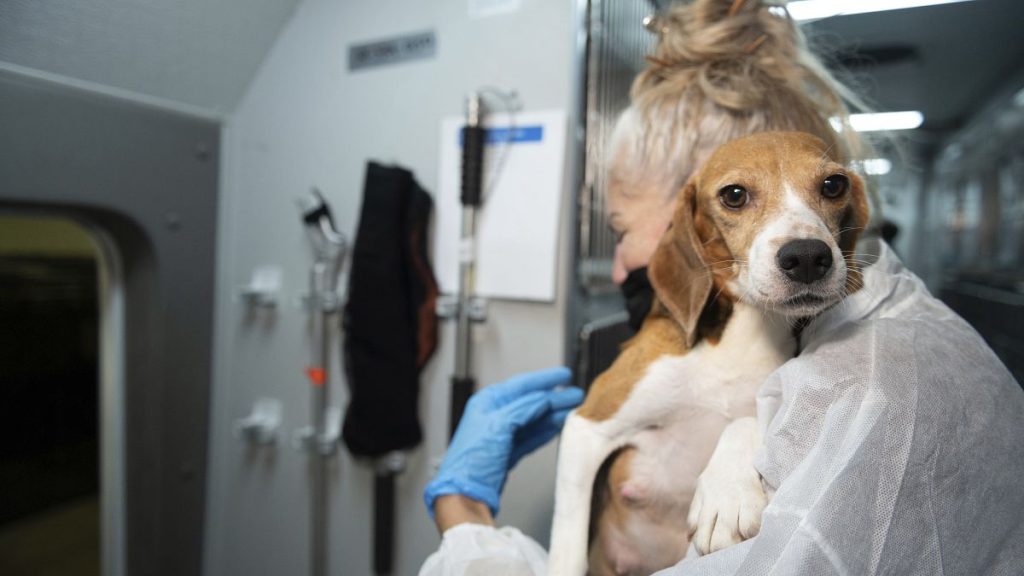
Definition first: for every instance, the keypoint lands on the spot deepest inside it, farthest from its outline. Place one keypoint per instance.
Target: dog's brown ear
(856, 217)
(678, 272)
(853, 224)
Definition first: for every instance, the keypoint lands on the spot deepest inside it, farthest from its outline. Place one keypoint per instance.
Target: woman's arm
(455, 509)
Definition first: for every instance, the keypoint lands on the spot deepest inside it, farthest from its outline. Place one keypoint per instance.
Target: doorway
(50, 510)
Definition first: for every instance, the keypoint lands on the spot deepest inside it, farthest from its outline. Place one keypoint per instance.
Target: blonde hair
(723, 69)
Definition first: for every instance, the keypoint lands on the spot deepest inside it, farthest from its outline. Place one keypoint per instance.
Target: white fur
(729, 499)
(679, 407)
(764, 284)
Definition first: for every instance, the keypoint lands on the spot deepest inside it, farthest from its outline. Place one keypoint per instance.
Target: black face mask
(639, 295)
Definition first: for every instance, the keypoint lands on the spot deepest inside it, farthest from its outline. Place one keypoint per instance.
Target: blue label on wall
(511, 135)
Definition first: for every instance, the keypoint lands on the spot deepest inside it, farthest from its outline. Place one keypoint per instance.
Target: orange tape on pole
(316, 375)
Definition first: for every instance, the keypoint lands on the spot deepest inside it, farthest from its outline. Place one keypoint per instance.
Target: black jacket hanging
(389, 320)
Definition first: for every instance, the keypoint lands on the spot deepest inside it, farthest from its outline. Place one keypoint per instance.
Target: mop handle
(383, 523)
(473, 139)
(462, 389)
(474, 136)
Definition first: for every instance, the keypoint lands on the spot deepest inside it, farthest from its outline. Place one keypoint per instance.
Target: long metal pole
(319, 282)
(320, 439)
(467, 286)
(473, 140)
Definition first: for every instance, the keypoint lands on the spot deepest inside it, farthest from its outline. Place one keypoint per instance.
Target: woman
(845, 458)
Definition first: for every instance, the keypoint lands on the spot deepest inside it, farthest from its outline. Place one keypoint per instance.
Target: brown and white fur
(674, 419)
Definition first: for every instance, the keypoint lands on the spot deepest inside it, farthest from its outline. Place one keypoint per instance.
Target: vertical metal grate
(617, 45)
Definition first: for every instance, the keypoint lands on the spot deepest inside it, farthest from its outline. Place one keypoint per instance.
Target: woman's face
(638, 215)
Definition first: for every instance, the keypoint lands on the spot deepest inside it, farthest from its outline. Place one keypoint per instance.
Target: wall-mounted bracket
(259, 428)
(263, 288)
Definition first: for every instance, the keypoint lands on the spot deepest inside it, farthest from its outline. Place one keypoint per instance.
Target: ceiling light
(877, 166)
(882, 121)
(818, 9)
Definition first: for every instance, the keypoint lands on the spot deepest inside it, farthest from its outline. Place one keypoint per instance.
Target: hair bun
(723, 69)
(727, 44)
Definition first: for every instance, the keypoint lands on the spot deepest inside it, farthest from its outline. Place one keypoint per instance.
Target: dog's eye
(733, 196)
(835, 186)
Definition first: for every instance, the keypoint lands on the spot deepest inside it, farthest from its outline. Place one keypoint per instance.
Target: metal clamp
(259, 428)
(306, 439)
(391, 464)
(328, 302)
(448, 308)
(477, 309)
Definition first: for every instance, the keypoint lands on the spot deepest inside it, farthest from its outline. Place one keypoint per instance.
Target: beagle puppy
(761, 240)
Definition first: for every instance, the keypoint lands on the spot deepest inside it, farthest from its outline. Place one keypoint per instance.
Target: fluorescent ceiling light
(886, 121)
(818, 9)
(877, 166)
(882, 121)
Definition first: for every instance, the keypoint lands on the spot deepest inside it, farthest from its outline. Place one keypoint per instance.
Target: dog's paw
(726, 507)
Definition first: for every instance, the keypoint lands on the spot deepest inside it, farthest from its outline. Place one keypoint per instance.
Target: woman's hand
(502, 423)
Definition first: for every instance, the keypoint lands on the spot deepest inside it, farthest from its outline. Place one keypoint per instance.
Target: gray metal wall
(614, 51)
(146, 179)
(307, 121)
(615, 55)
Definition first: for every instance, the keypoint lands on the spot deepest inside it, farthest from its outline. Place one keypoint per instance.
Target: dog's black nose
(805, 260)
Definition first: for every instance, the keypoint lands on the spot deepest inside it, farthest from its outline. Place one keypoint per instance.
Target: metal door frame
(144, 180)
(610, 46)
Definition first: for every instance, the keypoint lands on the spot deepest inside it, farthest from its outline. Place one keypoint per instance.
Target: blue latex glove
(502, 423)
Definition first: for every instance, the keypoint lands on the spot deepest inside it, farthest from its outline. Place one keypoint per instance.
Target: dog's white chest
(673, 417)
(721, 378)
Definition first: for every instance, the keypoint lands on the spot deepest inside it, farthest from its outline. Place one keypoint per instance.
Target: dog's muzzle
(804, 261)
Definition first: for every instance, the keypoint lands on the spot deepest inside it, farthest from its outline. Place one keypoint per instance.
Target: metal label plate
(393, 50)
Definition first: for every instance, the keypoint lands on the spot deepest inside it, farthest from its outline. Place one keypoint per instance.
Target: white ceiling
(958, 57)
(203, 53)
(199, 53)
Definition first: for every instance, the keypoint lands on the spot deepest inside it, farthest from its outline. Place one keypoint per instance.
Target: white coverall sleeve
(892, 444)
(478, 550)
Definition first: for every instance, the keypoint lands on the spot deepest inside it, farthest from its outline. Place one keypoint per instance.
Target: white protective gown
(893, 444)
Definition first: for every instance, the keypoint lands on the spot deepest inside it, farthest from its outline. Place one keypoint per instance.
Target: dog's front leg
(584, 446)
(729, 499)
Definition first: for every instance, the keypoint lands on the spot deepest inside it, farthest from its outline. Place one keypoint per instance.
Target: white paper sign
(488, 8)
(517, 225)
